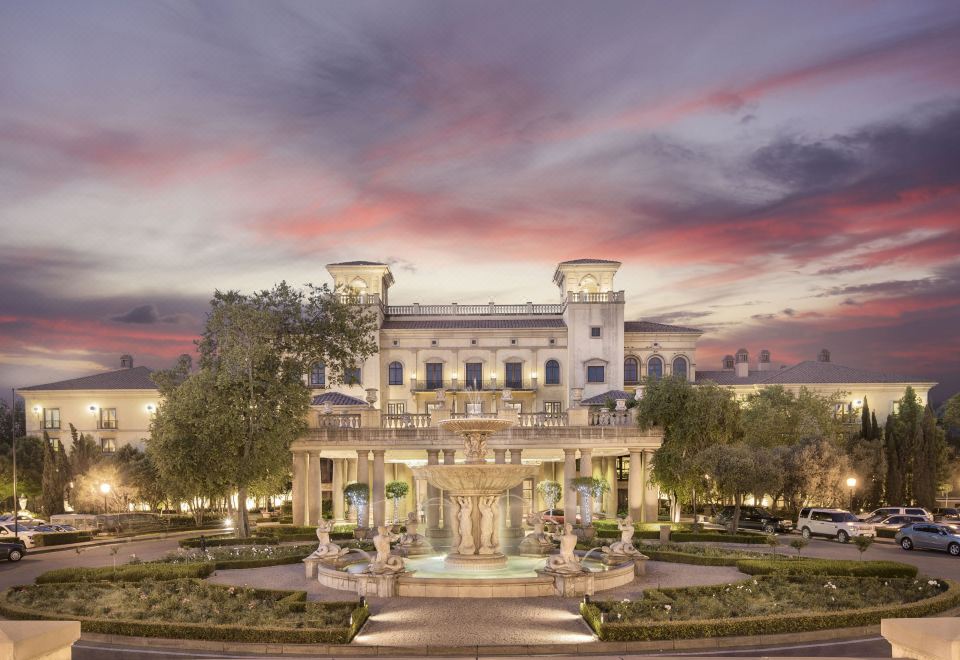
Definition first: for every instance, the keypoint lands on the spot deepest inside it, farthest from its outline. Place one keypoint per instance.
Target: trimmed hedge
(128, 573)
(718, 537)
(61, 538)
(203, 631)
(687, 558)
(232, 564)
(827, 567)
(766, 625)
(218, 541)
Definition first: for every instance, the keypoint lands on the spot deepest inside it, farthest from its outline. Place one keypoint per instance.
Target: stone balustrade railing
(405, 421)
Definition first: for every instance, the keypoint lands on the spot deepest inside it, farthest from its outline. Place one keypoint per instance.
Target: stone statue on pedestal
(624, 547)
(467, 546)
(567, 561)
(538, 541)
(488, 524)
(384, 562)
(327, 550)
(412, 542)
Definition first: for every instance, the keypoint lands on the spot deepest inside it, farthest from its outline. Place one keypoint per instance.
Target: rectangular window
(108, 445)
(318, 375)
(51, 418)
(595, 331)
(474, 373)
(108, 418)
(595, 374)
(397, 408)
(513, 375)
(552, 407)
(473, 342)
(434, 375)
(352, 376)
(623, 468)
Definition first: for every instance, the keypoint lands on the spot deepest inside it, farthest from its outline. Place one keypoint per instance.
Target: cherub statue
(625, 545)
(384, 562)
(567, 561)
(327, 550)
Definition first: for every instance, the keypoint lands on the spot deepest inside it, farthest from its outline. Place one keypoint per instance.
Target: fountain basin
(466, 425)
(471, 479)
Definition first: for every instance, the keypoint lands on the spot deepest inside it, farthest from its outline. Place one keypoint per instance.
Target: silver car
(930, 536)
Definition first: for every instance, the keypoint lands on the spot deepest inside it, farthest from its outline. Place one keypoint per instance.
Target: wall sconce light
(151, 408)
(92, 408)
(36, 410)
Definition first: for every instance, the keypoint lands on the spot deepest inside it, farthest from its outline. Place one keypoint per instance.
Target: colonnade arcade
(318, 489)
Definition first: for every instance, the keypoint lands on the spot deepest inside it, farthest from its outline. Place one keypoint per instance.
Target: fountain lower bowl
(476, 478)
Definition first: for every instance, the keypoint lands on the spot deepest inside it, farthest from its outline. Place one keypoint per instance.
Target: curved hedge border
(128, 573)
(218, 541)
(231, 564)
(61, 538)
(766, 625)
(202, 631)
(827, 567)
(687, 558)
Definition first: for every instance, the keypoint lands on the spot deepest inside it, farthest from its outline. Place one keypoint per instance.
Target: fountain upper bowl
(467, 425)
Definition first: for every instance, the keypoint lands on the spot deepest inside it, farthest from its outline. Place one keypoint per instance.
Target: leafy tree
(84, 452)
(735, 470)
(693, 419)
(904, 437)
(358, 494)
(56, 475)
(249, 397)
(951, 412)
(29, 469)
(776, 416)
(868, 461)
(863, 543)
(396, 490)
(799, 545)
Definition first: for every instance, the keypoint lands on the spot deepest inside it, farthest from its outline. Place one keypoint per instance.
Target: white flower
(625, 600)
(667, 607)
(933, 583)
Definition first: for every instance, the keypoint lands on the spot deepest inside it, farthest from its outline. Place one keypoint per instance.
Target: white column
(516, 495)
(449, 508)
(635, 487)
(651, 493)
(339, 468)
(433, 496)
(363, 477)
(314, 485)
(379, 484)
(299, 488)
(610, 474)
(586, 470)
(569, 494)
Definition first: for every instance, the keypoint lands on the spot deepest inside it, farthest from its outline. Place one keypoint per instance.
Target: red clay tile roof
(137, 378)
(337, 399)
(808, 372)
(650, 326)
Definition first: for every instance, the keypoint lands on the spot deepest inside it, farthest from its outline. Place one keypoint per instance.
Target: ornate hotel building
(564, 371)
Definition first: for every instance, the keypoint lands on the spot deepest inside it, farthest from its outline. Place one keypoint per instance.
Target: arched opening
(680, 368)
(589, 284)
(395, 373)
(551, 372)
(631, 371)
(655, 368)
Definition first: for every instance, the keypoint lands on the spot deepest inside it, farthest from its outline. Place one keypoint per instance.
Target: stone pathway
(477, 621)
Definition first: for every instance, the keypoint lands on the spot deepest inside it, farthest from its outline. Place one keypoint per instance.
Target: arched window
(680, 367)
(318, 375)
(655, 368)
(631, 371)
(395, 373)
(589, 284)
(551, 372)
(359, 285)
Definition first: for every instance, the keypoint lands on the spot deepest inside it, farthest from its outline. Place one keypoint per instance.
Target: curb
(592, 648)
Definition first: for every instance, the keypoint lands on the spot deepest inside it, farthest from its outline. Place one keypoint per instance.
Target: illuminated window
(51, 418)
(108, 445)
(474, 375)
(108, 418)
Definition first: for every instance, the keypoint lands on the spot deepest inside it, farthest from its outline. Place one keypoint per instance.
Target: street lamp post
(851, 484)
(105, 490)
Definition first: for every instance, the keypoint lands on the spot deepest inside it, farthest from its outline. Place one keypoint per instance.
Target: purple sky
(785, 175)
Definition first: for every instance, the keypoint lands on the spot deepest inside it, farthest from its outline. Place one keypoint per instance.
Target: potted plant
(396, 490)
(358, 495)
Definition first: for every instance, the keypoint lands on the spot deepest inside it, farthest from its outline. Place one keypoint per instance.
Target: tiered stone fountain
(475, 488)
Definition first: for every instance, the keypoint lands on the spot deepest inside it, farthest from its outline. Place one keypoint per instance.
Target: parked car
(898, 511)
(893, 523)
(835, 523)
(946, 514)
(930, 536)
(25, 534)
(12, 550)
(754, 517)
(554, 516)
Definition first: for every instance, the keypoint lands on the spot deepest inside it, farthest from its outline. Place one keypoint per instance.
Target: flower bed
(768, 605)
(194, 542)
(245, 556)
(190, 609)
(127, 573)
(700, 555)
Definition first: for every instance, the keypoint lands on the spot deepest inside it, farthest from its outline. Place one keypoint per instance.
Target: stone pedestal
(572, 585)
(38, 640)
(639, 561)
(585, 534)
(923, 639)
(383, 586)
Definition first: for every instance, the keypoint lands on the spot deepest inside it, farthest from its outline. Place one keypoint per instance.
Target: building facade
(563, 371)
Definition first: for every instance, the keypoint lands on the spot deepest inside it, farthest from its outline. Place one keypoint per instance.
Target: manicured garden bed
(127, 573)
(243, 556)
(215, 541)
(768, 605)
(188, 609)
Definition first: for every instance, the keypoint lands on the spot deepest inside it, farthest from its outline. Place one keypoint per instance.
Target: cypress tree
(874, 427)
(54, 478)
(865, 420)
(895, 484)
(926, 466)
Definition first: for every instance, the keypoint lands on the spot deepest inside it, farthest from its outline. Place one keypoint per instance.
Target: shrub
(718, 537)
(218, 541)
(60, 538)
(827, 567)
(693, 612)
(127, 573)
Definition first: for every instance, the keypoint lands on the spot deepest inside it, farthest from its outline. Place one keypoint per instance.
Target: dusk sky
(784, 175)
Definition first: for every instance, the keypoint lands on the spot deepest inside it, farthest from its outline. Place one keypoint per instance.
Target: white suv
(834, 523)
(24, 533)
